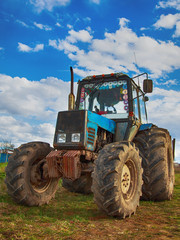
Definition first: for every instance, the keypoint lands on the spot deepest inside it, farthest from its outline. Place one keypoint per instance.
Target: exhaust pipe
(173, 147)
(71, 103)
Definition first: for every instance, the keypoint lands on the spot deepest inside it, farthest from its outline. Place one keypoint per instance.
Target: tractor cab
(105, 95)
(111, 105)
(114, 96)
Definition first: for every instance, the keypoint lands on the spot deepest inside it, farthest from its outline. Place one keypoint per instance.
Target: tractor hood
(78, 129)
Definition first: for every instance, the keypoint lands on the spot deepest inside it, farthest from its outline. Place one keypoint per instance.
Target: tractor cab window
(109, 99)
(143, 109)
(139, 107)
(135, 102)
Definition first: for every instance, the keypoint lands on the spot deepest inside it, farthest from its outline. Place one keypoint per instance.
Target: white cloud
(177, 150)
(81, 35)
(143, 29)
(13, 130)
(38, 47)
(169, 4)
(25, 48)
(167, 83)
(115, 52)
(31, 98)
(41, 5)
(87, 19)
(38, 25)
(19, 131)
(1, 48)
(123, 22)
(69, 26)
(95, 1)
(42, 27)
(167, 21)
(73, 37)
(22, 23)
(63, 45)
(28, 109)
(177, 32)
(58, 24)
(164, 111)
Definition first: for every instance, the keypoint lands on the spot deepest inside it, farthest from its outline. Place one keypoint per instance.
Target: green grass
(74, 216)
(2, 170)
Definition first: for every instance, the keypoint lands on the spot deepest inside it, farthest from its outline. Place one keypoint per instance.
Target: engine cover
(85, 124)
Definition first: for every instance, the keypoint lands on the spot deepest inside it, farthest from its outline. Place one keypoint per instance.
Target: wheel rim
(39, 178)
(128, 179)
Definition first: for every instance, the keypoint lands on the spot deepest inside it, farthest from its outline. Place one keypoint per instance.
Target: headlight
(61, 138)
(75, 137)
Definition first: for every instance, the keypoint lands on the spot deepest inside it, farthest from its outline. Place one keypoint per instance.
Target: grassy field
(73, 216)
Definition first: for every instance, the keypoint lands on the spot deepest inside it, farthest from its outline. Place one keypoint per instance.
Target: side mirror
(147, 86)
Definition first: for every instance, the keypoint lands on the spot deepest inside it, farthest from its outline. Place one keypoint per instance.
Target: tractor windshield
(109, 99)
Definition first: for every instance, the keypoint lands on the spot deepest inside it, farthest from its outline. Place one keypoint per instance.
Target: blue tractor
(102, 144)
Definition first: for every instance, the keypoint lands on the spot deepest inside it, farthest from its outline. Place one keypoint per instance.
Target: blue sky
(41, 39)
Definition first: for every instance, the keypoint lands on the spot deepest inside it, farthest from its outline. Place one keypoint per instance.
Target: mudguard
(145, 126)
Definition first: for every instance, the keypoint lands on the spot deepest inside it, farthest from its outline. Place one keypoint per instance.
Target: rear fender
(145, 126)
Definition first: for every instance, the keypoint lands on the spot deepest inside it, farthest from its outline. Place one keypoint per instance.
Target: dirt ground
(72, 216)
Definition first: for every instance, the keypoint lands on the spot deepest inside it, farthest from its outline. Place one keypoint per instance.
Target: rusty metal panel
(54, 166)
(64, 164)
(71, 165)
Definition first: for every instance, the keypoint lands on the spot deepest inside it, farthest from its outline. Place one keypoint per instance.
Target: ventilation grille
(91, 136)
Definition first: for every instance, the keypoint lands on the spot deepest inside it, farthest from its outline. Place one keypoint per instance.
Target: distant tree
(6, 146)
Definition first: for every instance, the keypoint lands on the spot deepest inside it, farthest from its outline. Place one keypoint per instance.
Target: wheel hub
(39, 176)
(125, 179)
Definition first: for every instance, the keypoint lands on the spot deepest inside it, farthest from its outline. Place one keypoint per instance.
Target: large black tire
(157, 161)
(80, 185)
(117, 179)
(27, 176)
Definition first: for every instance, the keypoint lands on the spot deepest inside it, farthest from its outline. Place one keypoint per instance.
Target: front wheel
(117, 179)
(27, 178)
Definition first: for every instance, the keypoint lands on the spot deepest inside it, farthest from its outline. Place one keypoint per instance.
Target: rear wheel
(27, 177)
(80, 185)
(117, 179)
(157, 161)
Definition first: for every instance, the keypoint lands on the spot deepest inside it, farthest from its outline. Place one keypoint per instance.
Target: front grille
(70, 122)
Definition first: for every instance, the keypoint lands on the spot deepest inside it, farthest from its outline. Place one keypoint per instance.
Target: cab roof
(106, 77)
